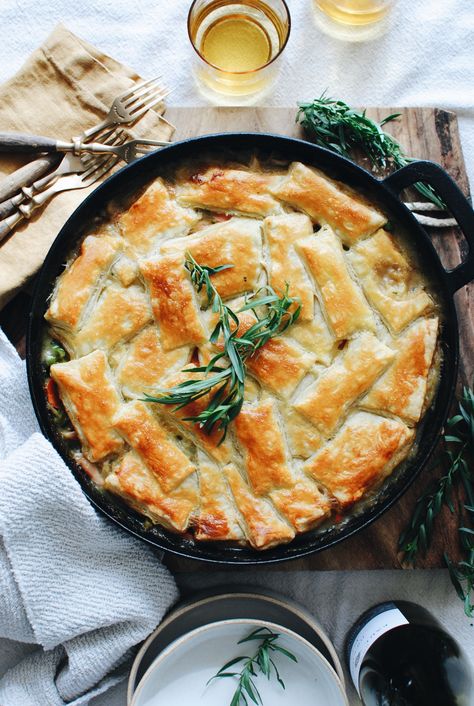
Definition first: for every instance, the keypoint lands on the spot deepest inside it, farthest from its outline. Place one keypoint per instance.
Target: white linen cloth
(426, 58)
(81, 589)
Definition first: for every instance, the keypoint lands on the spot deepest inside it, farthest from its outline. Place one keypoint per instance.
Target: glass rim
(236, 73)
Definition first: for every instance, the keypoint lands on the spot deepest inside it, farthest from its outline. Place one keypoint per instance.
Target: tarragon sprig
(335, 125)
(262, 661)
(459, 451)
(226, 380)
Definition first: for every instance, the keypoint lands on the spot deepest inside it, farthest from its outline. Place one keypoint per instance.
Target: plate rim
(208, 597)
(176, 644)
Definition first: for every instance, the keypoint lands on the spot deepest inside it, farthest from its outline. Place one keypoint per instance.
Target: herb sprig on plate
(335, 125)
(261, 662)
(458, 455)
(225, 373)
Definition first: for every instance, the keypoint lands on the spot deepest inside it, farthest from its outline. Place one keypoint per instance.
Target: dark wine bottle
(399, 655)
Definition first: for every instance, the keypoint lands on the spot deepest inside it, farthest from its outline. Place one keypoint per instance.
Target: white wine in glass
(354, 20)
(238, 44)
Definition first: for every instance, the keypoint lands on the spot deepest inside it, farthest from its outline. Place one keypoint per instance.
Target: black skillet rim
(145, 170)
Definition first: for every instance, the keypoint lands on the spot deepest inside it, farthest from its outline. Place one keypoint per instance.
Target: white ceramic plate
(221, 604)
(181, 672)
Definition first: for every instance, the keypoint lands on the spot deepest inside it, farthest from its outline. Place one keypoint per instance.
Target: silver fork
(128, 151)
(130, 105)
(97, 168)
(69, 164)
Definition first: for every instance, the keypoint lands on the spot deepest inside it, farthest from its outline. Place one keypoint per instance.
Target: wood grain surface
(426, 133)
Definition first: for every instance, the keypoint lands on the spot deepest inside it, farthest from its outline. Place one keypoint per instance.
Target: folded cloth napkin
(64, 87)
(71, 582)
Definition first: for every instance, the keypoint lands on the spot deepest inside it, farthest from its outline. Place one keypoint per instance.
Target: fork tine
(126, 94)
(141, 94)
(139, 103)
(98, 170)
(137, 113)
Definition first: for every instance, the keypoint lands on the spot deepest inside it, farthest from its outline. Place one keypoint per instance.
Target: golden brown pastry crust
(134, 482)
(304, 444)
(281, 233)
(346, 309)
(266, 460)
(173, 302)
(153, 217)
(263, 526)
(326, 401)
(153, 443)
(217, 517)
(230, 190)
(81, 280)
(144, 365)
(117, 315)
(389, 281)
(91, 400)
(402, 389)
(364, 451)
(328, 202)
(236, 242)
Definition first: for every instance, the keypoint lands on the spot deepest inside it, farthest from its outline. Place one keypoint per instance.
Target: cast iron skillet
(385, 194)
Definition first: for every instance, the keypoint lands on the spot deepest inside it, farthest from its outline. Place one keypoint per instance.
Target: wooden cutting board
(427, 133)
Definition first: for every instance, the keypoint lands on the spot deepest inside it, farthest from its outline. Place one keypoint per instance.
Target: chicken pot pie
(330, 405)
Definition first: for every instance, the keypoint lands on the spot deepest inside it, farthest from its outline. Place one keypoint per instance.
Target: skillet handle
(433, 174)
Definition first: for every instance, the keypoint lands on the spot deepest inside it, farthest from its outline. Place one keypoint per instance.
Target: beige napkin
(64, 87)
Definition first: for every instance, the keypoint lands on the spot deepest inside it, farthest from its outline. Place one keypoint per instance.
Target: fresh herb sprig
(458, 454)
(335, 125)
(262, 662)
(227, 380)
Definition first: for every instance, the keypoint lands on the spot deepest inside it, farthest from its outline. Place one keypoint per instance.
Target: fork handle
(22, 142)
(27, 175)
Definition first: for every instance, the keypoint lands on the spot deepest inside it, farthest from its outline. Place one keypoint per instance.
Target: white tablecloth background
(427, 58)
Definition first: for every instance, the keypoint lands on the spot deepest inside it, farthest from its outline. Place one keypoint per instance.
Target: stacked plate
(197, 638)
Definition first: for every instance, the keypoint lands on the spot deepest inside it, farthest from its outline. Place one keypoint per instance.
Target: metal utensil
(98, 166)
(70, 164)
(126, 108)
(130, 105)
(17, 142)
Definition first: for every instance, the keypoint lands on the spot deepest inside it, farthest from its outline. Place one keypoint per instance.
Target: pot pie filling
(330, 405)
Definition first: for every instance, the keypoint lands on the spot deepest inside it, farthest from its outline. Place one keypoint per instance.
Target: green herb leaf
(226, 401)
(261, 662)
(335, 125)
(457, 458)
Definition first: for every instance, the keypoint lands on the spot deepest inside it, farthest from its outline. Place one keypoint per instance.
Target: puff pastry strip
(389, 281)
(345, 306)
(328, 202)
(134, 482)
(280, 364)
(153, 217)
(326, 401)
(402, 388)
(173, 302)
(91, 400)
(154, 444)
(236, 242)
(315, 336)
(364, 451)
(281, 234)
(231, 190)
(118, 314)
(144, 365)
(303, 437)
(263, 527)
(217, 517)
(269, 471)
(210, 443)
(80, 280)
